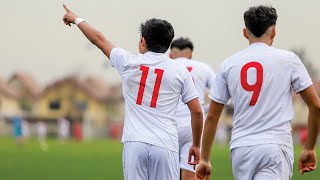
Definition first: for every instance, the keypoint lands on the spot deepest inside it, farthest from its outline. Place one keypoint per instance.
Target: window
(82, 106)
(55, 105)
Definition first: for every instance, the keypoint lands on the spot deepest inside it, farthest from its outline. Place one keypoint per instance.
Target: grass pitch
(94, 160)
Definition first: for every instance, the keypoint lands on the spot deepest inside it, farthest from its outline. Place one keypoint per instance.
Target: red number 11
(143, 80)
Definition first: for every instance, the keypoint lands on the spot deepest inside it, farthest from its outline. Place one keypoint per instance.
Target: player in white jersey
(152, 85)
(260, 80)
(202, 76)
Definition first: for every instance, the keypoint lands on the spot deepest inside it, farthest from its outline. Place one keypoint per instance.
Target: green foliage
(25, 104)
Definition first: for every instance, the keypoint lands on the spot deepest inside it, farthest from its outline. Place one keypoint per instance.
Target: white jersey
(42, 130)
(63, 128)
(152, 84)
(260, 80)
(202, 76)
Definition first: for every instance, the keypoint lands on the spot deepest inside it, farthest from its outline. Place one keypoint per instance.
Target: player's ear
(171, 55)
(143, 42)
(273, 34)
(245, 33)
(190, 54)
(143, 45)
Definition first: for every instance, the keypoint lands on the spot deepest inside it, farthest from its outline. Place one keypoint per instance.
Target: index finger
(190, 157)
(208, 177)
(198, 177)
(300, 166)
(65, 8)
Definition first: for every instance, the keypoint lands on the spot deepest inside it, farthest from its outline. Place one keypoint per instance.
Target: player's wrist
(306, 148)
(78, 21)
(205, 160)
(196, 145)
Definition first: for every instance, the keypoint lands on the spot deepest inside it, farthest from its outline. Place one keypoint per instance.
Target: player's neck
(260, 40)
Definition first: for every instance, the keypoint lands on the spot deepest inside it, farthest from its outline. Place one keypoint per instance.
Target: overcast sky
(33, 37)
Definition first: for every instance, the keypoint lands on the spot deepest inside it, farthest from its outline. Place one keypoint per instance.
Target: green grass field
(92, 160)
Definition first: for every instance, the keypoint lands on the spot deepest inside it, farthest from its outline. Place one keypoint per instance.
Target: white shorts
(142, 161)
(262, 162)
(185, 142)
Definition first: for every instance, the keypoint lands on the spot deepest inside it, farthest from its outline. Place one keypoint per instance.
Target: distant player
(152, 84)
(25, 126)
(63, 129)
(202, 75)
(17, 129)
(42, 135)
(260, 80)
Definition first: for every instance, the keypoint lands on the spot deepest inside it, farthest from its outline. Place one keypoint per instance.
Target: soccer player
(42, 135)
(260, 80)
(152, 85)
(202, 75)
(63, 129)
(17, 129)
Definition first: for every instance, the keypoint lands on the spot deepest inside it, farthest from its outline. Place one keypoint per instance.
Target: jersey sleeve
(189, 91)
(219, 89)
(118, 59)
(300, 79)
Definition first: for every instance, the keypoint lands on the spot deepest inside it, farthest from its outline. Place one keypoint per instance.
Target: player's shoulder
(201, 65)
(121, 53)
(276, 52)
(284, 52)
(196, 64)
(119, 50)
(285, 55)
(233, 59)
(176, 65)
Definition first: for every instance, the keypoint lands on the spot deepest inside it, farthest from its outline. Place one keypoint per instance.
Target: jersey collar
(181, 58)
(154, 53)
(259, 44)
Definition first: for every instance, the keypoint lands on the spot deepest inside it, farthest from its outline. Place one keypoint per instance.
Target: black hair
(158, 34)
(182, 43)
(259, 18)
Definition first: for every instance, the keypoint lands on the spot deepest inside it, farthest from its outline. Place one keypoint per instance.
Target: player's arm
(308, 160)
(196, 124)
(93, 35)
(210, 128)
(196, 120)
(189, 95)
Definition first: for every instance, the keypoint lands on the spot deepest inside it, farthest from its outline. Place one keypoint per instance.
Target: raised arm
(210, 128)
(92, 34)
(308, 159)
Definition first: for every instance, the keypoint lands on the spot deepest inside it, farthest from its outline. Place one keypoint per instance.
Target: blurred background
(61, 104)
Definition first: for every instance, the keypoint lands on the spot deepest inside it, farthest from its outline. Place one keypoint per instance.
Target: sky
(33, 37)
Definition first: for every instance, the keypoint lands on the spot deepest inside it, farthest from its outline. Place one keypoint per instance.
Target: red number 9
(256, 88)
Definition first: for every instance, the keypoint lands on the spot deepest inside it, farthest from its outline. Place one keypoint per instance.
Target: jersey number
(256, 88)
(156, 88)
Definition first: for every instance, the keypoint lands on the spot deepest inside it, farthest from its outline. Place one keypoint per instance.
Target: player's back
(260, 79)
(152, 85)
(202, 76)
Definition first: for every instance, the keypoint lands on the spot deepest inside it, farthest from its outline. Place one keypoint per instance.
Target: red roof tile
(8, 91)
(28, 83)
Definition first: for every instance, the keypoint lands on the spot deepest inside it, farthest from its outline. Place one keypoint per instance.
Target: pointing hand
(69, 17)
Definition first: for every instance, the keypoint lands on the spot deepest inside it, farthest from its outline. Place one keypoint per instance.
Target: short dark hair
(158, 34)
(259, 18)
(182, 43)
